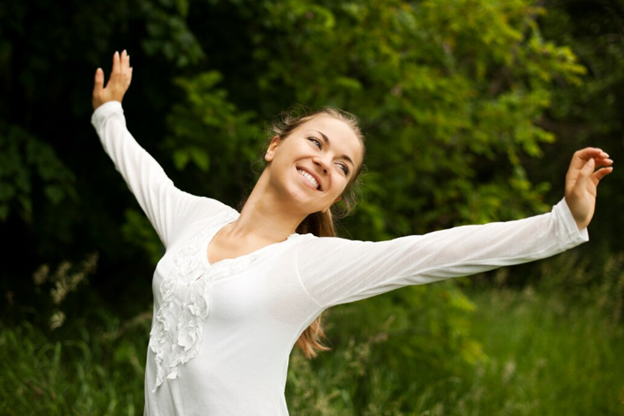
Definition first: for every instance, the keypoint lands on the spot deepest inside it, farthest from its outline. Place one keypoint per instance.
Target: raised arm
(169, 209)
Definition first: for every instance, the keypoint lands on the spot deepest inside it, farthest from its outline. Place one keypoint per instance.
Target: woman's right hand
(118, 84)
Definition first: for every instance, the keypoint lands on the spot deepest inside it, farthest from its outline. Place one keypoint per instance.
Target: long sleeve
(169, 209)
(335, 271)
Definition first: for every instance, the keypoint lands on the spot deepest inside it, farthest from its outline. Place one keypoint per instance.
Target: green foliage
(53, 287)
(138, 231)
(405, 339)
(589, 113)
(24, 159)
(596, 281)
(168, 33)
(453, 95)
(87, 375)
(209, 131)
(461, 101)
(547, 354)
(449, 94)
(72, 359)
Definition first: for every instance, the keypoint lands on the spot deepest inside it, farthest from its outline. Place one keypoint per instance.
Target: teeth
(309, 177)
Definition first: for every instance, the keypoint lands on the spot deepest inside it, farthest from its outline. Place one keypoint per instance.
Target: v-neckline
(234, 260)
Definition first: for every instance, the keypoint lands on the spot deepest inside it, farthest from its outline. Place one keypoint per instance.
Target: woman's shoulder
(201, 213)
(205, 208)
(310, 241)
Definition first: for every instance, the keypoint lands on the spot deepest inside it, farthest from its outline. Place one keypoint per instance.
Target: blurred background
(472, 110)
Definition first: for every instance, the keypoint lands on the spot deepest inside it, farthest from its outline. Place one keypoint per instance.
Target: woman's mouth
(309, 178)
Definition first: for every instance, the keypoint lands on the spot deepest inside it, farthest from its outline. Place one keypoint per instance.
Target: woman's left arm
(335, 271)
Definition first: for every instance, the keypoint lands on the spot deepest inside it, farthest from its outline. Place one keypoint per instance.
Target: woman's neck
(265, 217)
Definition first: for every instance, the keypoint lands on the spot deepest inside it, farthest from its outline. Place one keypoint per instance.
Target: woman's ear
(270, 153)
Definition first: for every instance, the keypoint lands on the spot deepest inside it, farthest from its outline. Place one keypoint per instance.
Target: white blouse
(222, 333)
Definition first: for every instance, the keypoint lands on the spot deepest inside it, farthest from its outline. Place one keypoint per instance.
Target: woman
(235, 292)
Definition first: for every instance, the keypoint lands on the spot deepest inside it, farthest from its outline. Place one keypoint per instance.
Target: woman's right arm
(169, 209)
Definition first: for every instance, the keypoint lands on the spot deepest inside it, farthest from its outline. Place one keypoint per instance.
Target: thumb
(99, 80)
(586, 173)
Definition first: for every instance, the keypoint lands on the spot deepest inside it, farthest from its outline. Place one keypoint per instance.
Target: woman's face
(315, 163)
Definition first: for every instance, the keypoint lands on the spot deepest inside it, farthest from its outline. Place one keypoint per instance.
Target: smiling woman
(235, 292)
(340, 159)
(304, 176)
(331, 171)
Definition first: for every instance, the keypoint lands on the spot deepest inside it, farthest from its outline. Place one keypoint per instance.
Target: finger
(580, 157)
(127, 69)
(116, 64)
(99, 81)
(125, 62)
(584, 175)
(604, 162)
(601, 173)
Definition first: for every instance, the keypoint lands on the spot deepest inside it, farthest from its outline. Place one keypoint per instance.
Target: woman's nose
(322, 163)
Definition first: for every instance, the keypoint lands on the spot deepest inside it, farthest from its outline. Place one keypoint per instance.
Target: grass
(81, 376)
(547, 355)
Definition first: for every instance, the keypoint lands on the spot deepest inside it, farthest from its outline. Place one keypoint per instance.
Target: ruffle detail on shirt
(190, 331)
(176, 336)
(178, 345)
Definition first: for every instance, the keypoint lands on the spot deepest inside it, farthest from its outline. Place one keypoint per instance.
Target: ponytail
(321, 225)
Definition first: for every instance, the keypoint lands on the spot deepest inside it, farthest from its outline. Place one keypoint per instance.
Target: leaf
(181, 158)
(4, 211)
(201, 159)
(7, 191)
(54, 193)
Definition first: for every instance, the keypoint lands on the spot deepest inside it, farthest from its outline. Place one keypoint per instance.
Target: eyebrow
(327, 142)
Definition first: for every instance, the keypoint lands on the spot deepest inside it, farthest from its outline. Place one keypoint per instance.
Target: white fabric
(222, 334)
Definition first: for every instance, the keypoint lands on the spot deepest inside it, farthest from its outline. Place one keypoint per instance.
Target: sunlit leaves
(448, 91)
(208, 131)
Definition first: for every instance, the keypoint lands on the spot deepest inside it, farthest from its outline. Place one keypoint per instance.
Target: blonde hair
(319, 223)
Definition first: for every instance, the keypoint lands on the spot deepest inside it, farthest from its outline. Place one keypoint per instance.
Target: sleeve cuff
(575, 235)
(104, 111)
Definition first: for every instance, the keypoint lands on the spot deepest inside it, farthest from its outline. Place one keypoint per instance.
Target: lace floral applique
(181, 343)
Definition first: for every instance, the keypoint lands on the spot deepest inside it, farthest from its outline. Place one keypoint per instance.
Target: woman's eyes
(318, 143)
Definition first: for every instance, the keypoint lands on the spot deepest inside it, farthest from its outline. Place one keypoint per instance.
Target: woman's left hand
(582, 182)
